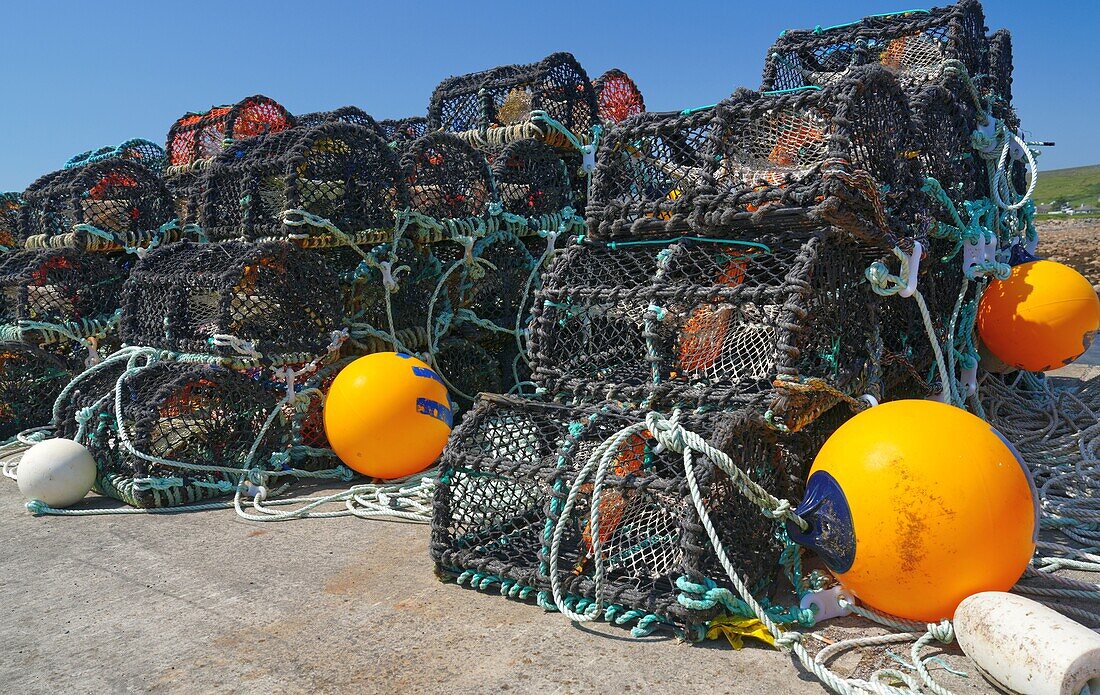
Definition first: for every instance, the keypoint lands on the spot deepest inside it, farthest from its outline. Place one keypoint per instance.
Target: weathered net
(110, 204)
(141, 426)
(841, 155)
(11, 204)
(301, 182)
(270, 302)
(196, 138)
(402, 131)
(344, 114)
(54, 295)
(509, 102)
(512, 464)
(914, 44)
(713, 324)
(30, 379)
(617, 97)
(150, 154)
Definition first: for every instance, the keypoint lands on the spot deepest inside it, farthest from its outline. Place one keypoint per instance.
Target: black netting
(402, 131)
(344, 114)
(196, 138)
(30, 380)
(507, 95)
(913, 44)
(11, 206)
(57, 294)
(238, 299)
(340, 171)
(617, 97)
(531, 179)
(508, 469)
(446, 177)
(102, 205)
(202, 415)
(704, 322)
(945, 117)
(844, 155)
(1000, 72)
(150, 154)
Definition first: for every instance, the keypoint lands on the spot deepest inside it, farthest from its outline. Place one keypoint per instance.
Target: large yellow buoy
(387, 415)
(1044, 316)
(915, 505)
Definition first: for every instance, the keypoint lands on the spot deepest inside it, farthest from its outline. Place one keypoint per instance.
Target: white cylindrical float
(1027, 648)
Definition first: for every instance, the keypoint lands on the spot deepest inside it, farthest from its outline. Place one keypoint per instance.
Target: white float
(1027, 648)
(59, 472)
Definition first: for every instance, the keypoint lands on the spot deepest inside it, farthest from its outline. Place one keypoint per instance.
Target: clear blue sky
(79, 75)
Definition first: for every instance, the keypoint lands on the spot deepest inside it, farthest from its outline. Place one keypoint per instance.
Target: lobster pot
(617, 97)
(843, 155)
(915, 45)
(504, 98)
(196, 138)
(105, 205)
(172, 412)
(345, 114)
(414, 298)
(342, 172)
(945, 117)
(51, 295)
(699, 323)
(30, 380)
(531, 181)
(401, 131)
(269, 301)
(149, 154)
(512, 462)
(447, 179)
(11, 205)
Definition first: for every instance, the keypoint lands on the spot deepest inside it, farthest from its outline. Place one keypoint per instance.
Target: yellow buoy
(1044, 316)
(387, 415)
(915, 505)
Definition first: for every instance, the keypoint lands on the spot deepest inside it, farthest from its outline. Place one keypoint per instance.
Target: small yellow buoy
(915, 505)
(1044, 316)
(387, 415)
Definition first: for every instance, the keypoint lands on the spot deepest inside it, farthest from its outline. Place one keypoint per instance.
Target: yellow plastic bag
(735, 629)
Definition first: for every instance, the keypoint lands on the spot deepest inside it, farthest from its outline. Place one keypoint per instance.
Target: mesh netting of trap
(302, 182)
(450, 186)
(106, 205)
(271, 302)
(344, 114)
(842, 155)
(171, 433)
(196, 138)
(914, 44)
(31, 378)
(532, 181)
(617, 97)
(505, 103)
(11, 205)
(709, 323)
(401, 131)
(149, 154)
(513, 462)
(54, 295)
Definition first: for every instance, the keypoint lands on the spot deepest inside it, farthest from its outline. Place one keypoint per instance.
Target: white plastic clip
(93, 354)
(939, 397)
(828, 603)
(588, 158)
(914, 269)
(970, 379)
(985, 136)
(871, 400)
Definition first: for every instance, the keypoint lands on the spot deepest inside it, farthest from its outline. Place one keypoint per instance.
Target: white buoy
(58, 472)
(1027, 648)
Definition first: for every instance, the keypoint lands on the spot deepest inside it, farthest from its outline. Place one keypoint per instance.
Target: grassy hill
(1079, 185)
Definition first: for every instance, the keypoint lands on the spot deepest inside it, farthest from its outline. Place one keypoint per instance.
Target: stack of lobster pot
(69, 242)
(743, 278)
